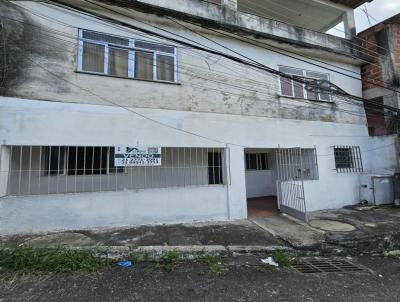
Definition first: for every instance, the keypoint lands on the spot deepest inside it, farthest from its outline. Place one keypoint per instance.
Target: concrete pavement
(349, 230)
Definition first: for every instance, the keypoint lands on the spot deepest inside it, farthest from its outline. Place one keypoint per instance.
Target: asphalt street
(244, 280)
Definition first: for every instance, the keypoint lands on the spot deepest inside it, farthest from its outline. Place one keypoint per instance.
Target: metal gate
(290, 182)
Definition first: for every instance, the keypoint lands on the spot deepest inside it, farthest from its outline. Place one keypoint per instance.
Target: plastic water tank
(383, 189)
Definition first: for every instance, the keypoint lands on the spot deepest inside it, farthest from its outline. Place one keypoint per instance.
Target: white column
(349, 24)
(231, 4)
(236, 190)
(4, 169)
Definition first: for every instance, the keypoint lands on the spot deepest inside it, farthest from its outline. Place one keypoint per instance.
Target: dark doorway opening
(262, 206)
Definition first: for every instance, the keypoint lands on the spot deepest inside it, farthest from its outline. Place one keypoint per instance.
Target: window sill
(303, 99)
(126, 78)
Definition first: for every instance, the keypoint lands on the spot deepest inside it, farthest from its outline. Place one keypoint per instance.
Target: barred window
(124, 57)
(293, 88)
(215, 165)
(80, 161)
(348, 159)
(257, 161)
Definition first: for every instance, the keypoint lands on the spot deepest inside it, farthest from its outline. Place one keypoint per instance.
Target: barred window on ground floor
(348, 159)
(79, 161)
(69, 169)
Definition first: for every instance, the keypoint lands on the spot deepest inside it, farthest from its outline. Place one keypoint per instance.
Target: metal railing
(292, 199)
(294, 165)
(34, 170)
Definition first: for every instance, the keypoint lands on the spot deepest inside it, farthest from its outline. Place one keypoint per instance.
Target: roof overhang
(351, 3)
(318, 15)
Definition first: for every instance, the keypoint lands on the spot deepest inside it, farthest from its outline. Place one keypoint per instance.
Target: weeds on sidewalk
(281, 258)
(168, 260)
(26, 261)
(214, 263)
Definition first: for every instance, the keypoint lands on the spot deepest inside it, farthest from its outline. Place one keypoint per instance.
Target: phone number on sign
(138, 161)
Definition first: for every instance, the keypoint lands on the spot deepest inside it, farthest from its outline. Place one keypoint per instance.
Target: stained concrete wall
(45, 69)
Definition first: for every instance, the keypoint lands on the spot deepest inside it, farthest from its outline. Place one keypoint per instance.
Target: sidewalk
(348, 230)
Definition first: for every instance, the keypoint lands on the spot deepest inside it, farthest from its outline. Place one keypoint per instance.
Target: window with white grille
(125, 57)
(79, 161)
(292, 88)
(37, 170)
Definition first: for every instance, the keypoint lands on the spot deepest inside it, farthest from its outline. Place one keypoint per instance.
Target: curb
(187, 251)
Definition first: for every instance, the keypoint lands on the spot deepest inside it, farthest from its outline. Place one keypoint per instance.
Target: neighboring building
(381, 46)
(82, 77)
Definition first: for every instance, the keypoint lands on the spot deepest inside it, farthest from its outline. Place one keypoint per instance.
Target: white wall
(260, 183)
(111, 209)
(29, 122)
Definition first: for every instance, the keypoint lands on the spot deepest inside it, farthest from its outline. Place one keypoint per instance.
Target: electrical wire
(236, 86)
(143, 115)
(379, 104)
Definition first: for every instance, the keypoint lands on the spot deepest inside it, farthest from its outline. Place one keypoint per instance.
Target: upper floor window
(293, 88)
(124, 57)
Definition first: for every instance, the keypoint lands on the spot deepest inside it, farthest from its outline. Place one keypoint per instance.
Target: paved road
(193, 282)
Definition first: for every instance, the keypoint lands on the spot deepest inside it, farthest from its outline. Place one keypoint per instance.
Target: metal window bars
(299, 164)
(348, 159)
(35, 170)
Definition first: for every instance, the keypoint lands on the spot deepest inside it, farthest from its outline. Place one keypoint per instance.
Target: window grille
(348, 159)
(124, 57)
(35, 170)
(299, 164)
(257, 161)
(295, 89)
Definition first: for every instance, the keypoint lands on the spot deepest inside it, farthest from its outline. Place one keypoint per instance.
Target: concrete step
(294, 232)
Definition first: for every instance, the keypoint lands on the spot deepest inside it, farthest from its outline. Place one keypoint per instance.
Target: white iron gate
(290, 182)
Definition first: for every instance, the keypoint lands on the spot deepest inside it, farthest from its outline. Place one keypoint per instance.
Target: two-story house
(117, 113)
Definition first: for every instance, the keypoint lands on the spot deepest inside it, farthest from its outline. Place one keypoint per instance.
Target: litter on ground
(269, 261)
(126, 263)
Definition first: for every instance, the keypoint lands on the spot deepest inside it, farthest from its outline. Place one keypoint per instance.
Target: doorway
(261, 193)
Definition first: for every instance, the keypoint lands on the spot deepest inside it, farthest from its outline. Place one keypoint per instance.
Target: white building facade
(85, 78)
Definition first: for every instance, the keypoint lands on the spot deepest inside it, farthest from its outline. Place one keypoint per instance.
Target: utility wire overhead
(139, 114)
(234, 58)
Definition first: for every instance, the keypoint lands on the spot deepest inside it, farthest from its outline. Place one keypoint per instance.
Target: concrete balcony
(304, 30)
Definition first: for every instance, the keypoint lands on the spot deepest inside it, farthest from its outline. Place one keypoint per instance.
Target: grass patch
(214, 263)
(168, 260)
(22, 261)
(281, 258)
